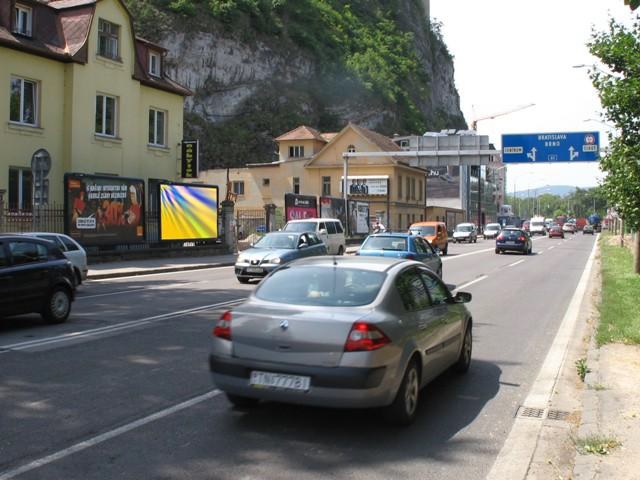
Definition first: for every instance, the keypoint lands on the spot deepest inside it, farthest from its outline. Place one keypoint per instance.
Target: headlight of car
(243, 260)
(275, 260)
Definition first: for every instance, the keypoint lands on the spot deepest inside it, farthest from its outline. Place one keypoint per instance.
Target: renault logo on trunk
(284, 324)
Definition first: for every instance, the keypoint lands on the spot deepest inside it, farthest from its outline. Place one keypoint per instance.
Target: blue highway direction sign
(551, 147)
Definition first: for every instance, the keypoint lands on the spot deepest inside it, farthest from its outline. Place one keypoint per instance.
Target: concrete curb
(152, 271)
(586, 466)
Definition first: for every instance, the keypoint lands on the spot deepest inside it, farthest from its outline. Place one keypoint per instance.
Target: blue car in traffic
(402, 245)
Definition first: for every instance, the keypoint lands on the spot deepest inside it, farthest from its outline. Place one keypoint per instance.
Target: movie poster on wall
(104, 210)
(333, 208)
(358, 218)
(298, 207)
(188, 212)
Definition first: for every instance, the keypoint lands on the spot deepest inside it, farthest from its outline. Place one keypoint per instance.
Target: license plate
(279, 381)
(510, 243)
(254, 269)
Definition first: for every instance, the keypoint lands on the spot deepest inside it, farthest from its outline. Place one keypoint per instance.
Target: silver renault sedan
(342, 332)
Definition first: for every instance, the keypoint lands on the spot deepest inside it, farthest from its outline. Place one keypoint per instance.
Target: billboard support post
(228, 220)
(270, 214)
(345, 192)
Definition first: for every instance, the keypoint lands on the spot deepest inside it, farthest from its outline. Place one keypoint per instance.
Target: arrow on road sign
(532, 154)
(572, 153)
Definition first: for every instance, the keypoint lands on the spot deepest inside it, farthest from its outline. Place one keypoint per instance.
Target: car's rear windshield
(277, 241)
(321, 286)
(300, 227)
(537, 224)
(511, 233)
(423, 230)
(385, 243)
(464, 228)
(493, 226)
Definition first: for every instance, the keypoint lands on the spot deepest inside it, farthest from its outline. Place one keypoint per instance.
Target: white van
(329, 230)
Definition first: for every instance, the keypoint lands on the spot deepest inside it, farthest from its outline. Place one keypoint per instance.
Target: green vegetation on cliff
(366, 44)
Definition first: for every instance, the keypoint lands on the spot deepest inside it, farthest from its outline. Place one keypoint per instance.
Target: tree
(619, 92)
(632, 3)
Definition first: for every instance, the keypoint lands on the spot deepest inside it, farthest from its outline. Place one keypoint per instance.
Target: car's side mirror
(303, 245)
(462, 297)
(323, 231)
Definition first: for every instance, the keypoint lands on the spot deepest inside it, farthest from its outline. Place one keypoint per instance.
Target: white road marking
(172, 286)
(7, 475)
(517, 452)
(110, 329)
(551, 248)
(444, 259)
(515, 263)
(465, 285)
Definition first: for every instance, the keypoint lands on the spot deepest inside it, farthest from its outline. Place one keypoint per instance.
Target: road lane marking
(465, 285)
(512, 463)
(467, 254)
(515, 263)
(110, 329)
(131, 290)
(92, 442)
(551, 248)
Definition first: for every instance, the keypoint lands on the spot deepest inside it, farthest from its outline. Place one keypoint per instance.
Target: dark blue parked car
(402, 245)
(514, 240)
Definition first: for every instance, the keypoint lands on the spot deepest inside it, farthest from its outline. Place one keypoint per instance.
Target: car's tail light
(521, 238)
(500, 237)
(365, 337)
(223, 327)
(410, 256)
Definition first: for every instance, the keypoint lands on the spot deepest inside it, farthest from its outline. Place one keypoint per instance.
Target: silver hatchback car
(342, 332)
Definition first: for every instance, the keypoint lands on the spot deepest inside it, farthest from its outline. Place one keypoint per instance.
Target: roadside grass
(596, 444)
(619, 312)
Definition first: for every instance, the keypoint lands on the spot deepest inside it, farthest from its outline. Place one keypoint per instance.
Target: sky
(511, 53)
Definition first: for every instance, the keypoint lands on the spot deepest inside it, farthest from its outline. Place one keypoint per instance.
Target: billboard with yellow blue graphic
(188, 212)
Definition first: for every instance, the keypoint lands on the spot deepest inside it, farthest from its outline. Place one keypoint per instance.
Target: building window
(157, 123)
(399, 221)
(296, 185)
(20, 189)
(24, 19)
(296, 151)
(420, 190)
(108, 39)
(238, 187)
(399, 187)
(408, 188)
(266, 182)
(24, 101)
(326, 186)
(413, 188)
(154, 64)
(106, 115)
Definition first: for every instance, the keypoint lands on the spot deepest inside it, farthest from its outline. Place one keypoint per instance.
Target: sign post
(551, 147)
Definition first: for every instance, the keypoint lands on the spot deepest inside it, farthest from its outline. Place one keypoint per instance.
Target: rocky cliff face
(247, 91)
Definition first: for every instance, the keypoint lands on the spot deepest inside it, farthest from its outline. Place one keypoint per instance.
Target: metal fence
(49, 219)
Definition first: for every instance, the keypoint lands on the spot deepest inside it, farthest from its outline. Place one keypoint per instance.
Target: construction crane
(474, 123)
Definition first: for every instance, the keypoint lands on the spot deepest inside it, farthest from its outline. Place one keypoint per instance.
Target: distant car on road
(276, 249)
(342, 332)
(491, 230)
(35, 277)
(569, 227)
(433, 232)
(465, 232)
(329, 230)
(402, 245)
(514, 240)
(587, 229)
(556, 232)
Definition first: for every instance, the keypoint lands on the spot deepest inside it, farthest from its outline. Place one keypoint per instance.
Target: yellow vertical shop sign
(190, 158)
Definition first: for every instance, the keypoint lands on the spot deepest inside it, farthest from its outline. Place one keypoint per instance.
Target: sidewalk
(100, 271)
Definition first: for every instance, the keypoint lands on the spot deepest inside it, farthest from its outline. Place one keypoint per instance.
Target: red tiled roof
(329, 136)
(62, 4)
(302, 133)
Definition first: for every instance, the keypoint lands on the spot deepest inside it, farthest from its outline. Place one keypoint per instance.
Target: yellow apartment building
(310, 163)
(78, 86)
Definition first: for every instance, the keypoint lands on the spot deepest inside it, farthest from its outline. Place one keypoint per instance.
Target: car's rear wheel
(498, 251)
(58, 306)
(464, 360)
(243, 279)
(340, 250)
(239, 401)
(446, 249)
(78, 276)
(404, 407)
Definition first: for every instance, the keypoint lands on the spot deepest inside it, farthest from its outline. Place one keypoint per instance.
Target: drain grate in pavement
(529, 412)
(557, 414)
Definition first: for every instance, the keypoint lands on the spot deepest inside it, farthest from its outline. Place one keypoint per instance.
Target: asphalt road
(122, 390)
